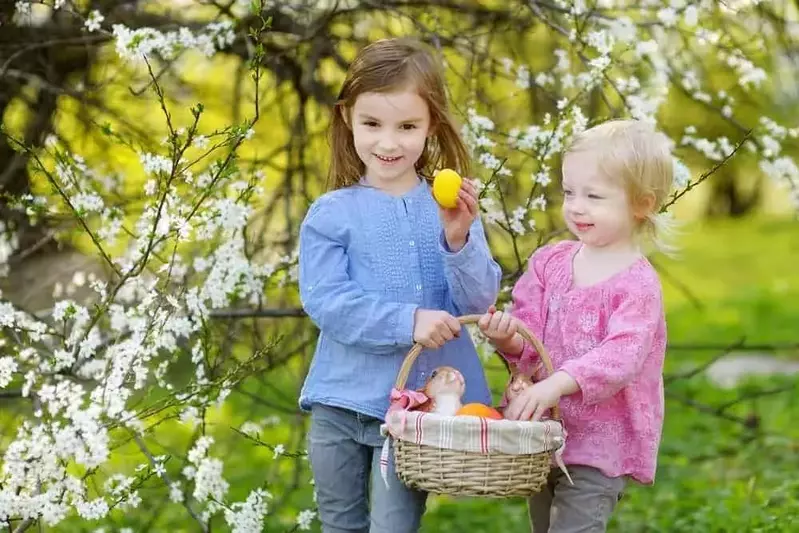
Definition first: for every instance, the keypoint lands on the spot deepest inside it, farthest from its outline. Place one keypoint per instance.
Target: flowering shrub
(141, 365)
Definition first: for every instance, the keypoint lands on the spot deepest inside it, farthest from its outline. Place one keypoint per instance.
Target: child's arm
(530, 309)
(472, 274)
(338, 305)
(635, 325)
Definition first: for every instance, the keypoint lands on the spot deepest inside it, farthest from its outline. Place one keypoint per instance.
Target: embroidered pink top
(611, 338)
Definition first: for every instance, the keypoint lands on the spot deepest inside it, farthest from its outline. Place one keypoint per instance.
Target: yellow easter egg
(446, 186)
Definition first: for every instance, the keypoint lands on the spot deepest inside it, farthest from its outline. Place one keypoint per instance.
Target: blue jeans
(344, 453)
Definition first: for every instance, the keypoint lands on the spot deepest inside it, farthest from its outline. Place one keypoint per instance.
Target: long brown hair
(385, 66)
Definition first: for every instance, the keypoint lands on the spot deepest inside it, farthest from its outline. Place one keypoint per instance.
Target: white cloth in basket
(472, 434)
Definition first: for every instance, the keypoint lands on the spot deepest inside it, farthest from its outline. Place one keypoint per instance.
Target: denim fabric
(367, 261)
(344, 452)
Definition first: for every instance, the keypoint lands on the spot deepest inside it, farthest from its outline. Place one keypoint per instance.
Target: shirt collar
(419, 189)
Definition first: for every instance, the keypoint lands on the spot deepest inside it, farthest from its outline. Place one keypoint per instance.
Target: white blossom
(93, 21)
(88, 202)
(92, 510)
(622, 28)
(133, 44)
(248, 516)
(175, 492)
(200, 141)
(208, 480)
(154, 164)
(667, 16)
(23, 8)
(304, 519)
(682, 174)
(7, 369)
(278, 451)
(93, 369)
(691, 16)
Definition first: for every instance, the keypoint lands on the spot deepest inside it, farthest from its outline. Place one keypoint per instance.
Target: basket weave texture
(490, 471)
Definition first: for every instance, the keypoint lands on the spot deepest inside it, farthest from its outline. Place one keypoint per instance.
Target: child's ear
(644, 206)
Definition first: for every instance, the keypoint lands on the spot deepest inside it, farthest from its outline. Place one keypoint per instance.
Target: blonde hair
(638, 157)
(385, 66)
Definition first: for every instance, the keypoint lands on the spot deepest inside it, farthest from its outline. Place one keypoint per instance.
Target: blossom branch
(65, 198)
(705, 175)
(162, 473)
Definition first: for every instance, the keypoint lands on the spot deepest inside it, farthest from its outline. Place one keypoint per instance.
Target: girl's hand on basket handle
(501, 329)
(533, 402)
(432, 328)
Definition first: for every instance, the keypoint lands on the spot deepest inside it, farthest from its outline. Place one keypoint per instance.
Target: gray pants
(585, 507)
(344, 453)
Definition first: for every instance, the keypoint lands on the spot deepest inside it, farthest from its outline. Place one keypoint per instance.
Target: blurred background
(719, 77)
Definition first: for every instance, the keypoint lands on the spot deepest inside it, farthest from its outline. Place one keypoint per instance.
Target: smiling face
(596, 209)
(389, 132)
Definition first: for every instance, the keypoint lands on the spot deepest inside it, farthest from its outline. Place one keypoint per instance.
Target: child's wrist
(455, 242)
(513, 346)
(563, 383)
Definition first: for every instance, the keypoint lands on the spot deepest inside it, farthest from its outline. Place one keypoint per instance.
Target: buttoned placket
(408, 218)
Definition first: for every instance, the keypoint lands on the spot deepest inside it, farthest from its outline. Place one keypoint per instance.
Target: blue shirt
(367, 261)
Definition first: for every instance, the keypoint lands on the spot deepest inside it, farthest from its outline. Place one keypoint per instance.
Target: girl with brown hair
(382, 266)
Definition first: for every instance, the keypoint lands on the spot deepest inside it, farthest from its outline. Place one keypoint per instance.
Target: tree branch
(677, 195)
(704, 366)
(165, 477)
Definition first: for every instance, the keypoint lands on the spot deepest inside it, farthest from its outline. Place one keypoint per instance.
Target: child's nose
(388, 141)
(576, 206)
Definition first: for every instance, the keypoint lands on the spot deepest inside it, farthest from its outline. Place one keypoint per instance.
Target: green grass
(742, 275)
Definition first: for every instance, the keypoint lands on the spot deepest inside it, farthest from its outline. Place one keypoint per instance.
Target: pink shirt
(611, 338)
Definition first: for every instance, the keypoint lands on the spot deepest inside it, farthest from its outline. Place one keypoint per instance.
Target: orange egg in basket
(479, 409)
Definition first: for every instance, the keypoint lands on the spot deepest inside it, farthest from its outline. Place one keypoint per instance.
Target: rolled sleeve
(405, 321)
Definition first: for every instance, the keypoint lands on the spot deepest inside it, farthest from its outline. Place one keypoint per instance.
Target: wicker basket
(466, 473)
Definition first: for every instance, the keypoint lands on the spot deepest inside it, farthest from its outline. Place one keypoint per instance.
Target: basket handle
(417, 348)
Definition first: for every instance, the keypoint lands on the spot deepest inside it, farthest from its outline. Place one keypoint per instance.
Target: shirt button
(412, 243)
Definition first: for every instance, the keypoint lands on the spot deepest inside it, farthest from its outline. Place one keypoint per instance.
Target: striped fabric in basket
(471, 434)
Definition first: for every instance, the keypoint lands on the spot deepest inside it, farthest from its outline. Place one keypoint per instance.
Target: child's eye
(594, 197)
(370, 123)
(409, 126)
(567, 192)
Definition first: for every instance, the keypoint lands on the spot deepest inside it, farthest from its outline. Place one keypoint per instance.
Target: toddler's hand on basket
(498, 326)
(534, 401)
(432, 328)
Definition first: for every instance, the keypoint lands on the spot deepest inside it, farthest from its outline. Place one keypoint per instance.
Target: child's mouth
(388, 160)
(582, 226)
